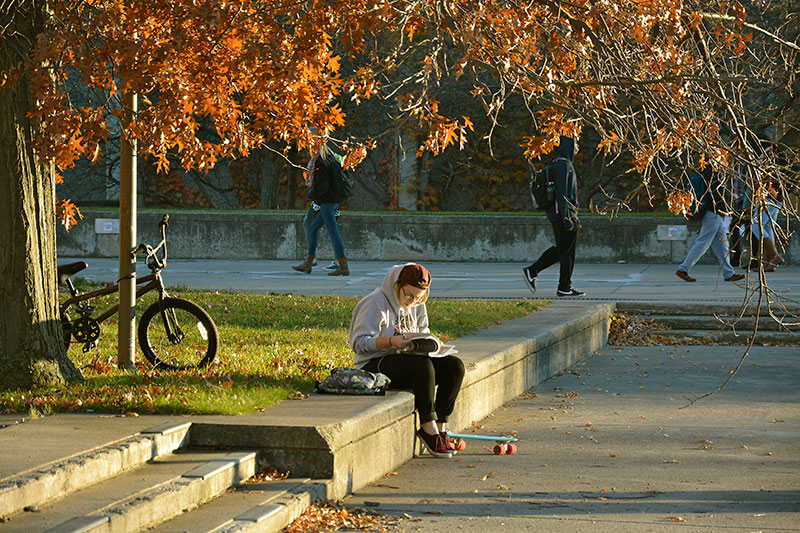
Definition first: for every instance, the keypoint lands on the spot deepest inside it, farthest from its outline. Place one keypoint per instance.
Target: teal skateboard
(503, 445)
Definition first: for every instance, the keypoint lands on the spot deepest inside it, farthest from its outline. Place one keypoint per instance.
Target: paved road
(460, 280)
(611, 446)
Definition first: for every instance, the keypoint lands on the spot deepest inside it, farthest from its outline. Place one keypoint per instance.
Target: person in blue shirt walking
(713, 231)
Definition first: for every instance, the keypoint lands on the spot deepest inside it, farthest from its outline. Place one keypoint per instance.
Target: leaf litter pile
(633, 330)
(636, 330)
(332, 516)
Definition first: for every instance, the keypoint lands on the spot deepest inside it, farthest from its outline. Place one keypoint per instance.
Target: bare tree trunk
(266, 165)
(31, 346)
(293, 177)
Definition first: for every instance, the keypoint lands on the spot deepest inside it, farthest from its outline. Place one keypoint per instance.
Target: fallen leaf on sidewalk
(331, 516)
(677, 519)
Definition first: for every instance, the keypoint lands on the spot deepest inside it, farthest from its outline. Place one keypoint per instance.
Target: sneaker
(314, 264)
(333, 266)
(435, 444)
(451, 445)
(530, 279)
(570, 292)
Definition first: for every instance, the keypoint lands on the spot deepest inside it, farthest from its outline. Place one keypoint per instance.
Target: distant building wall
(393, 236)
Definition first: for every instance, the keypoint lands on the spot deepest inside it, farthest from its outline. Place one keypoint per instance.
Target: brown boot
(772, 258)
(343, 270)
(306, 265)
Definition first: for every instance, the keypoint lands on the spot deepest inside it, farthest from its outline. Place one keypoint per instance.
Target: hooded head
(406, 285)
(566, 148)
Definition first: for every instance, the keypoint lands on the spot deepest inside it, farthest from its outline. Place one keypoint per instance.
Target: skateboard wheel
(461, 445)
(511, 448)
(500, 449)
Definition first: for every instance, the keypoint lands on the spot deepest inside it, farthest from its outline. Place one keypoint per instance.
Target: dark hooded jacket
(566, 204)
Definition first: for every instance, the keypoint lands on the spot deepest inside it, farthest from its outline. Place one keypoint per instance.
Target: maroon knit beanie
(416, 276)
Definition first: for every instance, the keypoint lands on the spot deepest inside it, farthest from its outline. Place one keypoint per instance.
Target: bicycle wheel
(178, 334)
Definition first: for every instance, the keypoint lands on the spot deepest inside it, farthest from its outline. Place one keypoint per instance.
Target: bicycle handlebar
(150, 259)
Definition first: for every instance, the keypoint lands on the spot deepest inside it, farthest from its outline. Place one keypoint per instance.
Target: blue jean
(713, 234)
(327, 217)
(766, 219)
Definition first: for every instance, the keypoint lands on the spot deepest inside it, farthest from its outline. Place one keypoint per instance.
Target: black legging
(563, 252)
(422, 374)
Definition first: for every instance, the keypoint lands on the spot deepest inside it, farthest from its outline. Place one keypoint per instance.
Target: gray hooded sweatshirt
(379, 314)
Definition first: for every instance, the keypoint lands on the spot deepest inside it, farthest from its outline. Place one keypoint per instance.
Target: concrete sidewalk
(498, 357)
(601, 282)
(611, 446)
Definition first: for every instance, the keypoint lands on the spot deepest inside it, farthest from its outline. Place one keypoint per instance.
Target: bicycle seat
(70, 269)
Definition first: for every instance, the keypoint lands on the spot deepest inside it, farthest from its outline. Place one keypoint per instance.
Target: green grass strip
(272, 346)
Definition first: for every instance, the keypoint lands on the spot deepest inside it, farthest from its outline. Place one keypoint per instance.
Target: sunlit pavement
(620, 282)
(613, 445)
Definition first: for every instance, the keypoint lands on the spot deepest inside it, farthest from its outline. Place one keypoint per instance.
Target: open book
(427, 344)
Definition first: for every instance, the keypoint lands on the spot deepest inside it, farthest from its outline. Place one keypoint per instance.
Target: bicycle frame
(152, 281)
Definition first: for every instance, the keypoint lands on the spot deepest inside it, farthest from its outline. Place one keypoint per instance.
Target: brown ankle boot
(343, 270)
(306, 265)
(772, 258)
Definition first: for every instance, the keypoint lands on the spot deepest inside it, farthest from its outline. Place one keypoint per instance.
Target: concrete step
(744, 325)
(37, 486)
(141, 497)
(787, 309)
(251, 506)
(727, 336)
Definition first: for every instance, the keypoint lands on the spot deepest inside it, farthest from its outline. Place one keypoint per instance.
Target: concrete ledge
(394, 237)
(336, 437)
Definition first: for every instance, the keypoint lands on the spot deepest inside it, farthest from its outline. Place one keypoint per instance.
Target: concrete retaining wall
(352, 440)
(392, 236)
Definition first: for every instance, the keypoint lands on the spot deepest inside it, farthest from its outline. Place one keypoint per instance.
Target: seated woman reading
(378, 334)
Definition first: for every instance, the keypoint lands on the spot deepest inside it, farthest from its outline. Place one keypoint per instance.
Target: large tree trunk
(31, 347)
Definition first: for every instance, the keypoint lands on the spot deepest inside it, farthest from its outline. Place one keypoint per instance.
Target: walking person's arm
(566, 197)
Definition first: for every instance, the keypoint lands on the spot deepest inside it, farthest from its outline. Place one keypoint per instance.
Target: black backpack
(345, 178)
(347, 184)
(701, 201)
(543, 187)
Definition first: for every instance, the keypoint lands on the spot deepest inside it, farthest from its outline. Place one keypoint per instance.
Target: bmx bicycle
(174, 333)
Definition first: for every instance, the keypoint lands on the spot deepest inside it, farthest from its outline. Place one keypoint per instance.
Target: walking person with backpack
(325, 179)
(561, 209)
(379, 333)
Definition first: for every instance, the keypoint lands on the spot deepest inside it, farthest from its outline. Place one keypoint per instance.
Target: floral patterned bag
(345, 380)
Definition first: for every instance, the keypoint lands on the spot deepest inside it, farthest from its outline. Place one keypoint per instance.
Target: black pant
(563, 252)
(422, 374)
